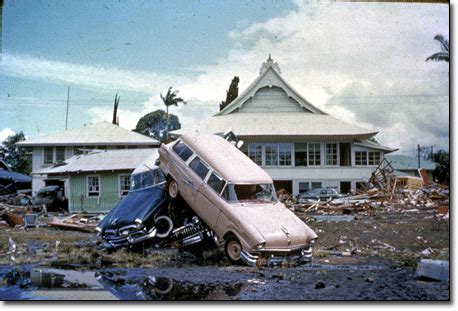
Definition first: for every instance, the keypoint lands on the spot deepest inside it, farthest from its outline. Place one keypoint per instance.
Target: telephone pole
(68, 101)
(418, 151)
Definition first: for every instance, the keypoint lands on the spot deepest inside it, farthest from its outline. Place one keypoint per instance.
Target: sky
(363, 63)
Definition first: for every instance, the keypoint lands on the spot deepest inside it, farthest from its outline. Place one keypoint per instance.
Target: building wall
(109, 192)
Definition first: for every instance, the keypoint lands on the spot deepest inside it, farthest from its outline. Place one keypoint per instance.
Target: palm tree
(444, 54)
(171, 99)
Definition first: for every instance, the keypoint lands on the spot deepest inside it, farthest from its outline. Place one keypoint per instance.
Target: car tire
(172, 189)
(233, 249)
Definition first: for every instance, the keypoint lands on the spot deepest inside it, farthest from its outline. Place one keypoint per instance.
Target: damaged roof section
(95, 134)
(109, 160)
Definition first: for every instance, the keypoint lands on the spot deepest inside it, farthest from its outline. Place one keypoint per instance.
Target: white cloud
(5, 133)
(92, 77)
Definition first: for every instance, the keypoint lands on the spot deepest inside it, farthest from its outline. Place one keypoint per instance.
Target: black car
(322, 194)
(52, 197)
(137, 217)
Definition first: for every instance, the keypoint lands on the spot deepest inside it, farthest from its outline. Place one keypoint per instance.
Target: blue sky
(371, 53)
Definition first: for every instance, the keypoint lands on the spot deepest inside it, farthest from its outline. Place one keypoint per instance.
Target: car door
(196, 182)
(209, 201)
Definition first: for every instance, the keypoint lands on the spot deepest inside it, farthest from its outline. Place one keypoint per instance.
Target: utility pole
(68, 101)
(418, 151)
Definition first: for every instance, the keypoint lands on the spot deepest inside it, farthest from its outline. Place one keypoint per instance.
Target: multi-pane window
(303, 187)
(331, 154)
(316, 185)
(255, 153)
(48, 156)
(271, 154)
(60, 154)
(314, 154)
(284, 154)
(300, 154)
(374, 157)
(124, 185)
(360, 158)
(93, 186)
(199, 167)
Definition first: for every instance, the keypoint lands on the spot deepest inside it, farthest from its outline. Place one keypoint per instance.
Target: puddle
(164, 288)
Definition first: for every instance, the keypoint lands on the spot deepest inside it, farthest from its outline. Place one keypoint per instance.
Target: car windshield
(257, 193)
(146, 179)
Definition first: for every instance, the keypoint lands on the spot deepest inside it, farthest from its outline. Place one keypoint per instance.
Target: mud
(369, 258)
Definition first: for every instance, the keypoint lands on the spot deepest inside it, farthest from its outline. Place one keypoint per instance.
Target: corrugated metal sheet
(403, 162)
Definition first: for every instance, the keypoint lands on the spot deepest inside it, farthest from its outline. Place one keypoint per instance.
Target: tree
(231, 94)
(115, 110)
(154, 125)
(18, 158)
(442, 171)
(171, 99)
(444, 54)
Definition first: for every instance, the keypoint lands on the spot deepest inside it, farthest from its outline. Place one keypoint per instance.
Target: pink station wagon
(236, 199)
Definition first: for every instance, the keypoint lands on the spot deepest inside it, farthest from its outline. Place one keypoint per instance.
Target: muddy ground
(362, 257)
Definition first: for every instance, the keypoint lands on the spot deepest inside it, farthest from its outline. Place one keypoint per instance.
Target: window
(182, 150)
(314, 154)
(255, 153)
(199, 167)
(316, 185)
(284, 154)
(124, 185)
(360, 158)
(60, 154)
(331, 154)
(215, 182)
(48, 155)
(303, 187)
(300, 154)
(374, 157)
(271, 154)
(93, 186)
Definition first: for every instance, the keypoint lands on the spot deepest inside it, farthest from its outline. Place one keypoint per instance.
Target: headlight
(261, 245)
(312, 242)
(138, 223)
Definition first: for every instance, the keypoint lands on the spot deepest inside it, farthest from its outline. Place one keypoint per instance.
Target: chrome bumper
(255, 260)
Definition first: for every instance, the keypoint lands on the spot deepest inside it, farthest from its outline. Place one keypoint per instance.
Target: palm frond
(444, 42)
(441, 56)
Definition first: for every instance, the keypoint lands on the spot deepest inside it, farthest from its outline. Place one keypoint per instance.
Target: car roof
(228, 161)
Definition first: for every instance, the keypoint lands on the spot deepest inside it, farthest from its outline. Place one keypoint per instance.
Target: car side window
(215, 182)
(182, 150)
(199, 167)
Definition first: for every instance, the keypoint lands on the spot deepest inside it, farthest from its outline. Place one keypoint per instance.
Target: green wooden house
(98, 180)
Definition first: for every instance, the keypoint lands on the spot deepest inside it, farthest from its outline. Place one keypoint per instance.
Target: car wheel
(172, 189)
(233, 249)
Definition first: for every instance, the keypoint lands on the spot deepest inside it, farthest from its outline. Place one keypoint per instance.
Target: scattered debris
(80, 222)
(433, 270)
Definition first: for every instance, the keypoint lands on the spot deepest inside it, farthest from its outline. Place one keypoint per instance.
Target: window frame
(309, 154)
(334, 155)
(365, 163)
(99, 184)
(44, 155)
(374, 162)
(120, 176)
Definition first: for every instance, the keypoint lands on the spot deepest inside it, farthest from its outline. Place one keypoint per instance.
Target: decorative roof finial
(269, 63)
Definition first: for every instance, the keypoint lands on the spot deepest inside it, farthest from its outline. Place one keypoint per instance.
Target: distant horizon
(370, 72)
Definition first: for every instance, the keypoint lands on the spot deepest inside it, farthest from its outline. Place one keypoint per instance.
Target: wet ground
(367, 258)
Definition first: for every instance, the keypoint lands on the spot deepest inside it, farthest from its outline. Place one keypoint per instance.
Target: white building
(300, 146)
(56, 148)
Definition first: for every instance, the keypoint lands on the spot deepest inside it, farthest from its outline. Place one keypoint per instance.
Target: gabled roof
(110, 160)
(404, 163)
(103, 133)
(288, 124)
(269, 76)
